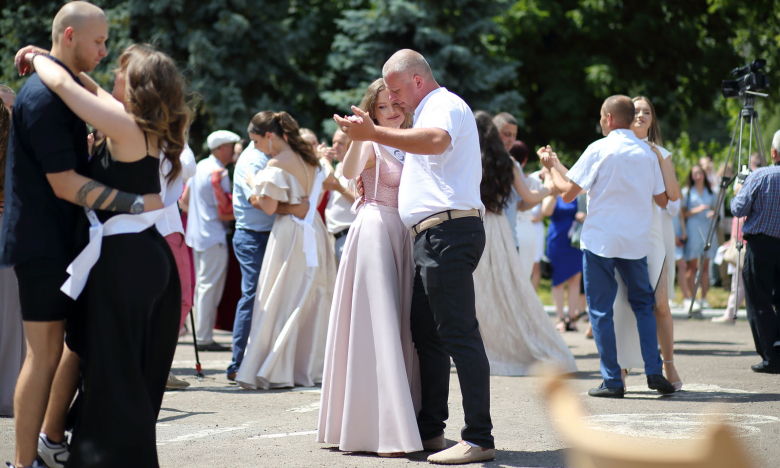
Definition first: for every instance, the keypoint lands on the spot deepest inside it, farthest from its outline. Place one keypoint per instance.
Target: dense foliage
(549, 62)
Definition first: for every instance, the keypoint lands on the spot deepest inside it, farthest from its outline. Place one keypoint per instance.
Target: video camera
(751, 80)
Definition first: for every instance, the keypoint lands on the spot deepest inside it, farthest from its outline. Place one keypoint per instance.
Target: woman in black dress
(127, 333)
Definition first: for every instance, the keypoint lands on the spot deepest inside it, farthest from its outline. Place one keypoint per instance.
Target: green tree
(457, 38)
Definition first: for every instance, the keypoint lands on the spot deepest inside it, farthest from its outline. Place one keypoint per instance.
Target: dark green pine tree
(456, 38)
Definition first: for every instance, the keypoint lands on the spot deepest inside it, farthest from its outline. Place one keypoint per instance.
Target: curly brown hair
(155, 98)
(284, 126)
(5, 132)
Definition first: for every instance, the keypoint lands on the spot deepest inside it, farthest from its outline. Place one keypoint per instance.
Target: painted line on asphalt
(676, 425)
(305, 409)
(201, 434)
(285, 434)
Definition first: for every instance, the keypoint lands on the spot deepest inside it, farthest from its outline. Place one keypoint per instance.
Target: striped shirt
(759, 201)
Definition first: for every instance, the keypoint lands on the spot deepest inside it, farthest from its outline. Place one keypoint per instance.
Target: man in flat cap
(207, 228)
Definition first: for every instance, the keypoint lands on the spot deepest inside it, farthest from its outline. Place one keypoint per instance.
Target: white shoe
(687, 305)
(53, 454)
(724, 320)
(704, 304)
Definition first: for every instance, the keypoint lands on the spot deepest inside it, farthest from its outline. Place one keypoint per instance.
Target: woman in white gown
(646, 127)
(524, 228)
(286, 345)
(516, 330)
(370, 362)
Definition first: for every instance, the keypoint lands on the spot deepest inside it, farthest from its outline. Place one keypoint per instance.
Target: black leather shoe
(765, 368)
(213, 347)
(607, 392)
(660, 384)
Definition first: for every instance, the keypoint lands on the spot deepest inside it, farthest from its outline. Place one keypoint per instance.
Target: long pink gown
(370, 363)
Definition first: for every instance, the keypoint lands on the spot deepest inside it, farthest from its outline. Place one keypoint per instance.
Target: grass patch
(717, 297)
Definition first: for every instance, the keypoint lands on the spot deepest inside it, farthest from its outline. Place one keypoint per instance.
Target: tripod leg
(198, 368)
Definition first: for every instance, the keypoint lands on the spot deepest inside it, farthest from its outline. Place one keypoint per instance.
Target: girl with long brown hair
(369, 357)
(289, 321)
(660, 261)
(126, 329)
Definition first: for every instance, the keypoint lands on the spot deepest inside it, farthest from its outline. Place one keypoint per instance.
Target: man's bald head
(621, 109)
(76, 15)
(407, 62)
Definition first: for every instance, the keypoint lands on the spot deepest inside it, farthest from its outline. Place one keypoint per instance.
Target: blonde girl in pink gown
(370, 364)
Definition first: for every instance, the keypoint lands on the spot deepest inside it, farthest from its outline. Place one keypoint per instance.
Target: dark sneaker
(765, 368)
(660, 384)
(214, 347)
(607, 392)
(54, 454)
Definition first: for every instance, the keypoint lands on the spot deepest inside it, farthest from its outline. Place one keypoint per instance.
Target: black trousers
(444, 324)
(132, 308)
(761, 275)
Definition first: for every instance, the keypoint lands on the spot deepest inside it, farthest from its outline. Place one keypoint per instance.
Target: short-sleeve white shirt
(338, 214)
(621, 174)
(171, 192)
(432, 183)
(204, 228)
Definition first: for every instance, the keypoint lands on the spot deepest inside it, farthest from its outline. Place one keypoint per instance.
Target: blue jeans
(600, 290)
(249, 247)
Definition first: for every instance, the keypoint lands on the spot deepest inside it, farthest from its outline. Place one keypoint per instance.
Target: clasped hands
(358, 127)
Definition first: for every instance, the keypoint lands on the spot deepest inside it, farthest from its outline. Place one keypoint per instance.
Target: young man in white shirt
(207, 236)
(620, 173)
(439, 201)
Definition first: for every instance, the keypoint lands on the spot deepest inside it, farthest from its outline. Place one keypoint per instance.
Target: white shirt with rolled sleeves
(171, 192)
(432, 183)
(204, 228)
(621, 174)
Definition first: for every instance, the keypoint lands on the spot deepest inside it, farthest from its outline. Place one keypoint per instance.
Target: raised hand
(358, 127)
(22, 60)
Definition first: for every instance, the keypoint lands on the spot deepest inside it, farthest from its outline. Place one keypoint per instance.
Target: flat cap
(220, 137)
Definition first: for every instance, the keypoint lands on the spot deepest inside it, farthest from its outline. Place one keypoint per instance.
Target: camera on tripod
(751, 80)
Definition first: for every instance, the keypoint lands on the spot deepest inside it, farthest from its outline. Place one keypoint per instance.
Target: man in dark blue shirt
(759, 201)
(44, 191)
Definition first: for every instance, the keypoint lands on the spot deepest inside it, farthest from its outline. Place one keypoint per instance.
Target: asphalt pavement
(213, 423)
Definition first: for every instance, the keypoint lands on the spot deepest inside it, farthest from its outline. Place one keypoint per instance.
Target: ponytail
(284, 126)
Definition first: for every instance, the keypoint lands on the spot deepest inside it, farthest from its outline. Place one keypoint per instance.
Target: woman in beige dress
(370, 362)
(286, 345)
(515, 328)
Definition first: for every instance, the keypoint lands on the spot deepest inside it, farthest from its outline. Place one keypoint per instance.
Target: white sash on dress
(309, 236)
(121, 224)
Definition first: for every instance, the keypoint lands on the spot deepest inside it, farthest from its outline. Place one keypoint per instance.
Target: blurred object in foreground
(590, 448)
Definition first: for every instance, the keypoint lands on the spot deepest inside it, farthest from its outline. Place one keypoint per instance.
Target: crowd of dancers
(367, 266)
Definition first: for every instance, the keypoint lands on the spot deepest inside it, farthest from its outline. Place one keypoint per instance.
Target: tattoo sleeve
(81, 195)
(121, 203)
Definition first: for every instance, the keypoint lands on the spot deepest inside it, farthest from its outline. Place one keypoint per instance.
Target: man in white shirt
(439, 201)
(338, 217)
(207, 236)
(620, 173)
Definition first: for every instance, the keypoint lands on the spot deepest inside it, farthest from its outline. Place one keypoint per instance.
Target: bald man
(47, 157)
(621, 174)
(439, 202)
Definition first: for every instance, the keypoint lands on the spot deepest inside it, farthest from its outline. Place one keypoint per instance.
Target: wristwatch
(138, 205)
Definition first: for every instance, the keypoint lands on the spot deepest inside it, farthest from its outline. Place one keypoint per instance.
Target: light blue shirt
(248, 217)
(511, 213)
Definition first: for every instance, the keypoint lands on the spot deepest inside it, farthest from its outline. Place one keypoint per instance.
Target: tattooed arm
(83, 191)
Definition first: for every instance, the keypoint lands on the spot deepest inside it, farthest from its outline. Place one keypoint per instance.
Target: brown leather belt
(439, 218)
